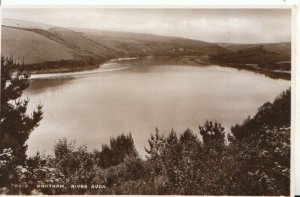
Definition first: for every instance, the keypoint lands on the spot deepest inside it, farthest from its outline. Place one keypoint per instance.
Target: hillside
(283, 48)
(44, 48)
(38, 43)
(275, 58)
(252, 55)
(32, 46)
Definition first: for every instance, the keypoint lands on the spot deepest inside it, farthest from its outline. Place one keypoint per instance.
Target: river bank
(274, 74)
(190, 60)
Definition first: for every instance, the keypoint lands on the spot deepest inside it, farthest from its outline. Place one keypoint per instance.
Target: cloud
(213, 25)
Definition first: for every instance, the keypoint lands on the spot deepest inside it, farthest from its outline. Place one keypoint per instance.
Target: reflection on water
(44, 85)
(92, 108)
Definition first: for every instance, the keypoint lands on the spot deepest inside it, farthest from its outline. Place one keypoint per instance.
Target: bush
(75, 163)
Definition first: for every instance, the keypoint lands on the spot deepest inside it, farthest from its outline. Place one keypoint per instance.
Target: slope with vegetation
(271, 59)
(283, 48)
(57, 49)
(73, 49)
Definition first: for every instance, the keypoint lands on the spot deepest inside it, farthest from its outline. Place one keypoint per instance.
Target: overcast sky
(212, 25)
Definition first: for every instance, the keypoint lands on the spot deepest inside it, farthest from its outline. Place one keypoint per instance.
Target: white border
(216, 4)
(149, 2)
(295, 137)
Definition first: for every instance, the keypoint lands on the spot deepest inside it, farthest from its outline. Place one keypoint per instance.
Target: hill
(274, 58)
(283, 48)
(253, 55)
(36, 43)
(46, 48)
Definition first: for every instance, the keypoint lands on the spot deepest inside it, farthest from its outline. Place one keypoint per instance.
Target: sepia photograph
(146, 101)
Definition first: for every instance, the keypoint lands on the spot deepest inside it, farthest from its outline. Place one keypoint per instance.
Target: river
(135, 96)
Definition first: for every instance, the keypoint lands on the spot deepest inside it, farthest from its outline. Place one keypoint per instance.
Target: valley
(40, 48)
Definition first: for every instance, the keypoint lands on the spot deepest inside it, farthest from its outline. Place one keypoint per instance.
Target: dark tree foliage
(156, 144)
(190, 142)
(119, 148)
(213, 136)
(273, 114)
(15, 125)
(73, 162)
(188, 136)
(261, 148)
(172, 138)
(258, 163)
(171, 156)
(62, 65)
(254, 55)
(104, 157)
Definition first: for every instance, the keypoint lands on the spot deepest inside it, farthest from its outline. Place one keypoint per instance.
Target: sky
(211, 25)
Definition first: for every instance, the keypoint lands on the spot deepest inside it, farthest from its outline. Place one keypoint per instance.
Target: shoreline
(193, 60)
(274, 74)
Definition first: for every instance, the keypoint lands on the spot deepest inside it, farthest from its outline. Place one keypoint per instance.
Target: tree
(120, 147)
(76, 163)
(188, 137)
(213, 136)
(171, 156)
(156, 144)
(274, 114)
(261, 149)
(104, 157)
(190, 144)
(15, 124)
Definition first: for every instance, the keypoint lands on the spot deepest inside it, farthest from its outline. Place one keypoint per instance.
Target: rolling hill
(45, 48)
(273, 60)
(282, 48)
(39, 43)
(253, 55)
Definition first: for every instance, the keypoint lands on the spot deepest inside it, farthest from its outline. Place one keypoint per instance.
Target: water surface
(137, 96)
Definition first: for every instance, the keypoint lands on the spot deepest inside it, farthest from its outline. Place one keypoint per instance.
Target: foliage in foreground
(15, 124)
